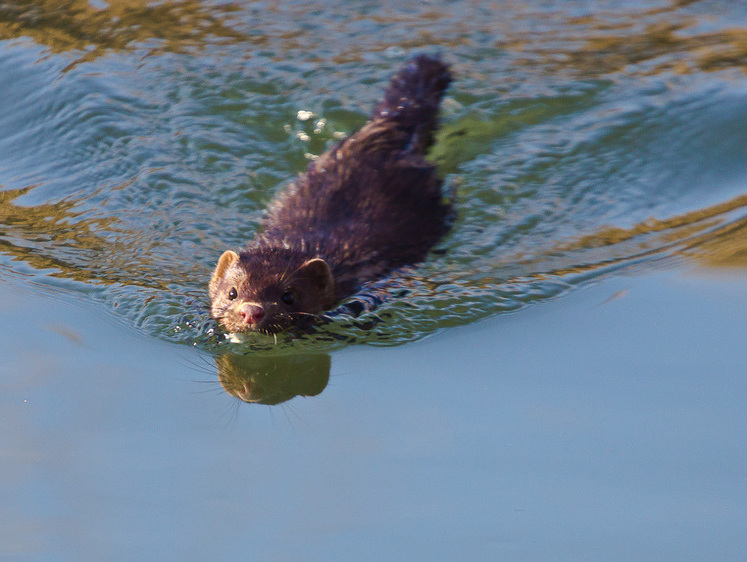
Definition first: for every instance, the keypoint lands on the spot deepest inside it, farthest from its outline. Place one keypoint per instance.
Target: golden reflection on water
(687, 224)
(64, 25)
(724, 249)
(43, 235)
(703, 51)
(705, 234)
(659, 39)
(602, 43)
(53, 224)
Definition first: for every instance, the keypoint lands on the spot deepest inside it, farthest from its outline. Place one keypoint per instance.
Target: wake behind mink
(367, 206)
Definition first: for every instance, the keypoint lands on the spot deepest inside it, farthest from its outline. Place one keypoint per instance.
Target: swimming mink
(369, 205)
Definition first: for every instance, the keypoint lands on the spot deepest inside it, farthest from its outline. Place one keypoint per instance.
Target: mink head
(269, 289)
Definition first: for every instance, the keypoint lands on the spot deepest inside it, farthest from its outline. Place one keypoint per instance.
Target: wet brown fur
(367, 206)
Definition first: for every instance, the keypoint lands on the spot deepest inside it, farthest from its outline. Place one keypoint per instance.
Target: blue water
(562, 379)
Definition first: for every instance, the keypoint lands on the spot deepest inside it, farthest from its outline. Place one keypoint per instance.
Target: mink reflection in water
(273, 379)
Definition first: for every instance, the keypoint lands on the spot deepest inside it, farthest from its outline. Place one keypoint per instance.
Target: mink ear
(228, 258)
(319, 273)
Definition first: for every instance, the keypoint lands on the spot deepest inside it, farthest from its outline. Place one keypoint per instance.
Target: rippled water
(591, 145)
(140, 141)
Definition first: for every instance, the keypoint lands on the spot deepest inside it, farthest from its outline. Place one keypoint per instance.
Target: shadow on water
(143, 139)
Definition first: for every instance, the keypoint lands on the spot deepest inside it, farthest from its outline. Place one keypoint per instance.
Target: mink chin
(367, 206)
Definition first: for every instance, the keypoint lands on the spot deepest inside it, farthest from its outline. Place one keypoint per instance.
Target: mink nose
(252, 313)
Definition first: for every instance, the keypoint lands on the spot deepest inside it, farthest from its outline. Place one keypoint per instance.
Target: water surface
(582, 320)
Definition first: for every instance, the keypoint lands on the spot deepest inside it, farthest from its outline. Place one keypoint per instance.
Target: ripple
(581, 145)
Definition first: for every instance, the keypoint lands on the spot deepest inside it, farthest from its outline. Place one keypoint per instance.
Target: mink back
(372, 203)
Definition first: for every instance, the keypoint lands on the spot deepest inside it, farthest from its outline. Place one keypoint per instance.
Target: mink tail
(412, 100)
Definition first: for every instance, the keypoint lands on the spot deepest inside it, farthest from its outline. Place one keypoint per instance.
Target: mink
(368, 206)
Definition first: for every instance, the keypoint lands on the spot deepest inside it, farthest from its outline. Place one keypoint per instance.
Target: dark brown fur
(367, 206)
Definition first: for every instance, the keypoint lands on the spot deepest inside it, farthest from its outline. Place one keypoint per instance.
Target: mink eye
(232, 294)
(287, 298)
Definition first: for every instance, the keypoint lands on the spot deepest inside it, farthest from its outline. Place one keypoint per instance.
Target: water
(599, 156)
